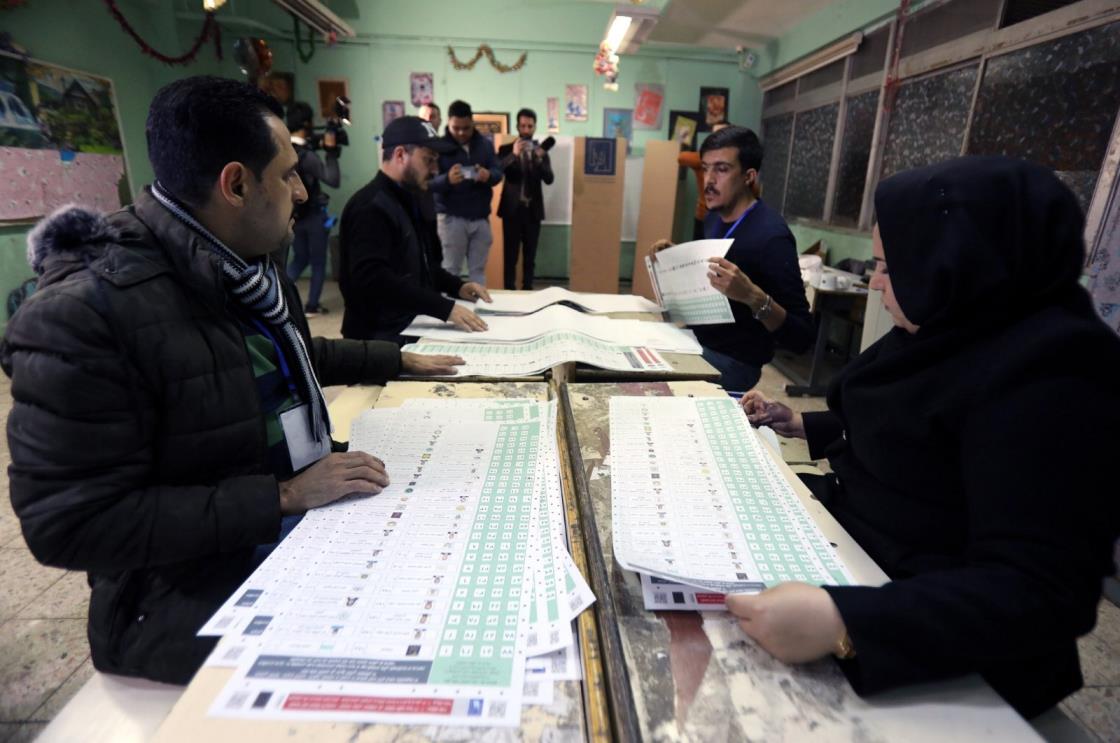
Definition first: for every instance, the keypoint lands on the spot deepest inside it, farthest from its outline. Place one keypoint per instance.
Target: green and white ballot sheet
(697, 499)
(446, 599)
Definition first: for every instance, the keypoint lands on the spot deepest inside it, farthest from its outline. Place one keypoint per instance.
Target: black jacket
(391, 260)
(137, 441)
(968, 454)
(469, 199)
(538, 172)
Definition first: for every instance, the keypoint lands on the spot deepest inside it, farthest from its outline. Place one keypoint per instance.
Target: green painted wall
(395, 37)
(841, 243)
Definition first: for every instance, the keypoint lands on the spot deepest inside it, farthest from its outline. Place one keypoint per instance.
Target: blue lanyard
(740, 219)
(280, 357)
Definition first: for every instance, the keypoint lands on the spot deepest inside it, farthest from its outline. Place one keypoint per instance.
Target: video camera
(335, 128)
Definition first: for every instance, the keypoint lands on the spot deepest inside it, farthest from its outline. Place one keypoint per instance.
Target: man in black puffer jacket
(167, 409)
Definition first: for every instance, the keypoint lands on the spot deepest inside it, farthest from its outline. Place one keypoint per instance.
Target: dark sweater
(390, 263)
(468, 199)
(764, 249)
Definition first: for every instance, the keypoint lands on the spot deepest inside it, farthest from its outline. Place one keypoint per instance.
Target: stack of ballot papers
(700, 507)
(539, 354)
(447, 599)
(557, 318)
(525, 303)
(679, 276)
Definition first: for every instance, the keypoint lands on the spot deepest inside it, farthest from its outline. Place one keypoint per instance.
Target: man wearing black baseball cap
(391, 256)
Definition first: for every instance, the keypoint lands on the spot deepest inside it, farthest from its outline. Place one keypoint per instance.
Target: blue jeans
(465, 239)
(735, 375)
(310, 246)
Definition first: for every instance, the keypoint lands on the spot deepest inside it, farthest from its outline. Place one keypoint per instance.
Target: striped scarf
(256, 287)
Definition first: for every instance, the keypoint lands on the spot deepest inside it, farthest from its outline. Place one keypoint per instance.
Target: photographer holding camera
(311, 230)
(526, 166)
(466, 180)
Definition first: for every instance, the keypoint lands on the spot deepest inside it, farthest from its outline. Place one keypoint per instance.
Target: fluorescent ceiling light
(318, 16)
(629, 26)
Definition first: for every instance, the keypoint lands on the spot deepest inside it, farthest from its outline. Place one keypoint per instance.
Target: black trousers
(520, 234)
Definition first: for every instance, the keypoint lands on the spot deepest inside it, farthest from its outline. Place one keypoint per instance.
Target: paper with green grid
(697, 498)
(680, 279)
(544, 352)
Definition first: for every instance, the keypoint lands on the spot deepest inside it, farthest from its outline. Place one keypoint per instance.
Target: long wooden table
(695, 676)
(567, 719)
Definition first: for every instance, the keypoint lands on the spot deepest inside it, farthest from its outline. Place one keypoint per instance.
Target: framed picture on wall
(489, 123)
(575, 102)
(619, 122)
(713, 107)
(390, 111)
(330, 90)
(682, 128)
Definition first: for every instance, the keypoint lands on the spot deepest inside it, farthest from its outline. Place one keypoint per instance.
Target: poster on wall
(575, 102)
(682, 127)
(648, 100)
(390, 111)
(619, 122)
(713, 107)
(421, 85)
(599, 156)
(552, 107)
(489, 123)
(60, 140)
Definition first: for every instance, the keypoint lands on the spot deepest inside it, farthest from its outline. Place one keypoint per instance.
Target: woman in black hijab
(967, 446)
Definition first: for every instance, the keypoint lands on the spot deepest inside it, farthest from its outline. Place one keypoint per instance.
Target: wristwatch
(764, 311)
(844, 648)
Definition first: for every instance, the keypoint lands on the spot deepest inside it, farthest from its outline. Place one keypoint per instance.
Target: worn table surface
(682, 676)
(563, 720)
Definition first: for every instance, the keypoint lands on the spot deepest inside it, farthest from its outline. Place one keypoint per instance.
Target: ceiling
(726, 24)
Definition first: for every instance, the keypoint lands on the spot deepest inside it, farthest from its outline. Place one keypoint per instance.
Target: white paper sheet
(515, 328)
(524, 303)
(697, 498)
(540, 354)
(680, 275)
(411, 606)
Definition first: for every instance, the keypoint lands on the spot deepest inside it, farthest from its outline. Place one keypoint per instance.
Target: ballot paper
(680, 279)
(524, 303)
(540, 354)
(515, 328)
(697, 498)
(411, 606)
(421, 604)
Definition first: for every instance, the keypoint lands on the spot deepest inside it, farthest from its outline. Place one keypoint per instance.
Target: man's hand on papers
(474, 291)
(429, 365)
(729, 280)
(794, 622)
(465, 319)
(763, 412)
(333, 476)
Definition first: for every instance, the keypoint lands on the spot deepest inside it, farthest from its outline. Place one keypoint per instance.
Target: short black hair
(742, 139)
(527, 113)
(459, 110)
(300, 116)
(199, 124)
(433, 104)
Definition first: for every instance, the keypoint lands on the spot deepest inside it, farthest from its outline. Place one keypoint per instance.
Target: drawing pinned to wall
(575, 103)
(390, 111)
(599, 156)
(619, 122)
(713, 107)
(489, 123)
(682, 127)
(552, 106)
(60, 140)
(648, 103)
(421, 85)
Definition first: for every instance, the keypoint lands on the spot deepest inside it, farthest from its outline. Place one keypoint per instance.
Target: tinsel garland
(485, 49)
(209, 28)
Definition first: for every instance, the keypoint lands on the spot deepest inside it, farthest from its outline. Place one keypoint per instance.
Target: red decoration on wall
(209, 28)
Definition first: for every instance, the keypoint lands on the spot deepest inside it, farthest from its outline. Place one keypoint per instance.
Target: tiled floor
(44, 658)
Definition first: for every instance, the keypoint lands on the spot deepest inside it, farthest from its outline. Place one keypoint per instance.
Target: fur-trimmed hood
(72, 234)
